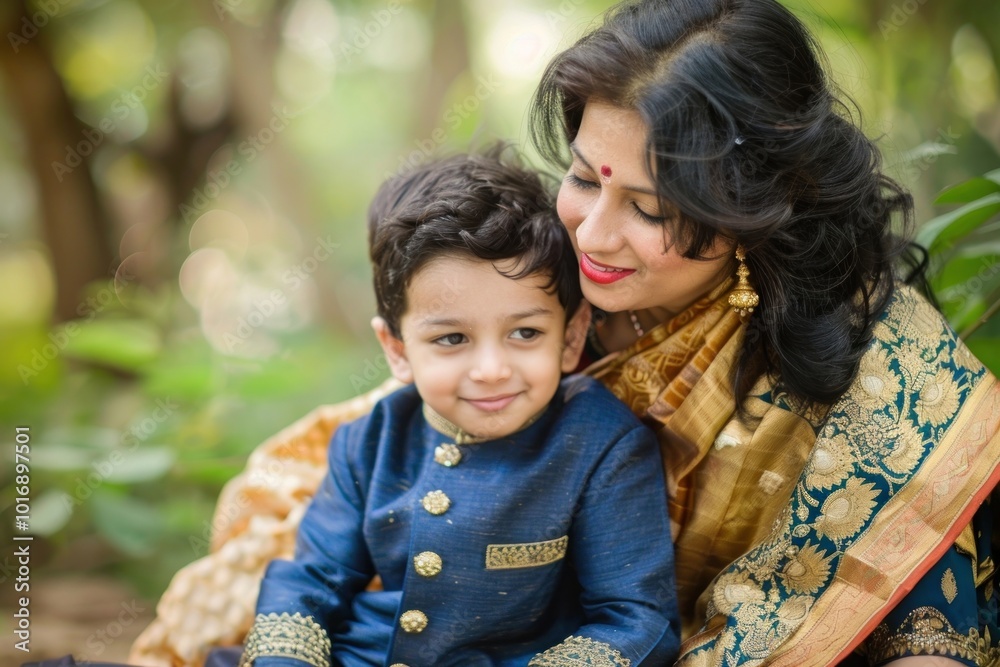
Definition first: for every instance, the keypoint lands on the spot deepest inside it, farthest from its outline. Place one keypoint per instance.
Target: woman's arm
(948, 615)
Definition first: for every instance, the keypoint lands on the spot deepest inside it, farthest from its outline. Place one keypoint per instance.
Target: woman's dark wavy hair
(749, 140)
(484, 206)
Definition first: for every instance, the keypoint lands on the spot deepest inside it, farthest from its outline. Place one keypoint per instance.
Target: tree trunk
(72, 218)
(449, 59)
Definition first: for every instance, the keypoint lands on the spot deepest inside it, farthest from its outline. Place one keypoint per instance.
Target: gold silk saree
(796, 532)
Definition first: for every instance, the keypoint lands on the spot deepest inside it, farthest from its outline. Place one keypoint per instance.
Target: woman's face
(609, 205)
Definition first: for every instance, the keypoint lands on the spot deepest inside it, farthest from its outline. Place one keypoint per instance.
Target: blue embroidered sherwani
(550, 546)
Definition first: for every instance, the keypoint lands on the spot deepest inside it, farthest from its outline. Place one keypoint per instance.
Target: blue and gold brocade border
(888, 480)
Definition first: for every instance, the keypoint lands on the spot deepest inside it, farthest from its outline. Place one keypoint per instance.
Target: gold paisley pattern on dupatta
(656, 374)
(793, 534)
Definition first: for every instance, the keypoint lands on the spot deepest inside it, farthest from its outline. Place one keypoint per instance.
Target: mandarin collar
(461, 437)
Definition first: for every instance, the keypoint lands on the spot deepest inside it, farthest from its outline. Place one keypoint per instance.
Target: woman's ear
(395, 351)
(576, 336)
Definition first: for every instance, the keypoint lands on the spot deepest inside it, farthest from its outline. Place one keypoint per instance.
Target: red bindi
(605, 173)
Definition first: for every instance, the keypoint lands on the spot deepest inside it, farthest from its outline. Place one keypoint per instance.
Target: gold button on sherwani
(436, 502)
(413, 621)
(447, 454)
(427, 563)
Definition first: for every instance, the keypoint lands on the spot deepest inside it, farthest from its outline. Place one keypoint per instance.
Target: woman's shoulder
(912, 381)
(915, 338)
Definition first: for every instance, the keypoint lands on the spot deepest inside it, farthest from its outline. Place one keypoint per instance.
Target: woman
(830, 444)
(797, 439)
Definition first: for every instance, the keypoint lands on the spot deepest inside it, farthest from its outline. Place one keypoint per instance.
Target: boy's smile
(485, 351)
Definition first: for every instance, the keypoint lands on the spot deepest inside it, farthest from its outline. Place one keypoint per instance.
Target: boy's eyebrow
(440, 322)
(576, 151)
(525, 314)
(513, 317)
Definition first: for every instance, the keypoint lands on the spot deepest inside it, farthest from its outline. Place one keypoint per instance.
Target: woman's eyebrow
(579, 156)
(633, 188)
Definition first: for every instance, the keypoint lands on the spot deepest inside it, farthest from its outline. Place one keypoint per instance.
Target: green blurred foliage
(239, 144)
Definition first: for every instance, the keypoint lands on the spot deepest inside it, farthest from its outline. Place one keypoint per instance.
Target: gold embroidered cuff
(576, 651)
(529, 554)
(287, 636)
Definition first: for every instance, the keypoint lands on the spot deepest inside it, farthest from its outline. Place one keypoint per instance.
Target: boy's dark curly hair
(485, 206)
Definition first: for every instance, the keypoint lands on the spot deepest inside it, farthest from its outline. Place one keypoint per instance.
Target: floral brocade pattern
(911, 382)
(926, 631)
(580, 652)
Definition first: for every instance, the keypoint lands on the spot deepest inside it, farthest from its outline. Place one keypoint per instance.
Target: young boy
(513, 519)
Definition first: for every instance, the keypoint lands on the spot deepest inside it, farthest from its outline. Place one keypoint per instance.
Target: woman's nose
(490, 365)
(596, 231)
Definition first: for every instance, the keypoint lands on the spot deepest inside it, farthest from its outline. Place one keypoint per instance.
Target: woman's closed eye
(646, 217)
(450, 340)
(581, 183)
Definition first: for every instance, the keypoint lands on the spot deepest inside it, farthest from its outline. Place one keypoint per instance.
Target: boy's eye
(526, 333)
(580, 183)
(450, 340)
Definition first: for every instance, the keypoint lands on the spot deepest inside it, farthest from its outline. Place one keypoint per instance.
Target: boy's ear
(576, 336)
(395, 351)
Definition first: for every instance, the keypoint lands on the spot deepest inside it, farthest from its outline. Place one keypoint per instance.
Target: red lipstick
(602, 274)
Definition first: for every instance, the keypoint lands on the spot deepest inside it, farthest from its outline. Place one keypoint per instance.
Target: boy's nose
(490, 366)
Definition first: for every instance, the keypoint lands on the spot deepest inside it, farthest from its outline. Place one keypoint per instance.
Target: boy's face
(484, 351)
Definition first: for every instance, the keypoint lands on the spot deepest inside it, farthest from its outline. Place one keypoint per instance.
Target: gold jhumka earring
(743, 298)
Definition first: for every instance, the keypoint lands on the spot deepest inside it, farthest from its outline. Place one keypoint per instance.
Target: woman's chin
(606, 299)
